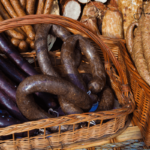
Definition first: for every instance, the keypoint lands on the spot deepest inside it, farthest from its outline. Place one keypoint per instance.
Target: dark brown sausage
(69, 108)
(7, 103)
(98, 71)
(41, 46)
(63, 34)
(87, 77)
(67, 57)
(69, 65)
(60, 32)
(53, 85)
(106, 99)
(11, 71)
(42, 52)
(10, 51)
(7, 86)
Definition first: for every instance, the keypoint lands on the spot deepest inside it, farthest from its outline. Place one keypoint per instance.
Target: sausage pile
(74, 95)
(27, 94)
(137, 39)
(31, 94)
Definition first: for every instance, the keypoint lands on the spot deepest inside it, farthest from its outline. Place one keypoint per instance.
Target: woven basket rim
(92, 116)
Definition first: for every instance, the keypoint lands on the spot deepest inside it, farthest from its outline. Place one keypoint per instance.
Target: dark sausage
(98, 71)
(7, 86)
(10, 70)
(60, 32)
(9, 50)
(41, 46)
(42, 52)
(67, 57)
(69, 108)
(87, 77)
(18, 76)
(53, 85)
(106, 99)
(69, 65)
(8, 104)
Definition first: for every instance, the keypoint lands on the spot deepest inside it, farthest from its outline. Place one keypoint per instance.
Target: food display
(58, 87)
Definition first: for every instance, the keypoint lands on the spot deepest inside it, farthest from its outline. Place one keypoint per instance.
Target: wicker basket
(141, 92)
(112, 122)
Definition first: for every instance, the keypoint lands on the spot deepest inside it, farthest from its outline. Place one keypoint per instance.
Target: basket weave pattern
(141, 93)
(112, 122)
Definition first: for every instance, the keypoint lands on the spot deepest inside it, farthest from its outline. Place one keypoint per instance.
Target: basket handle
(65, 22)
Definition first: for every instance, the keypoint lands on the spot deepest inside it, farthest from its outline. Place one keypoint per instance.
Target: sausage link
(30, 7)
(98, 72)
(23, 46)
(40, 9)
(106, 99)
(54, 85)
(9, 8)
(15, 41)
(31, 43)
(20, 12)
(129, 37)
(12, 33)
(42, 52)
(48, 6)
(70, 68)
(5, 15)
(41, 46)
(23, 4)
(138, 54)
